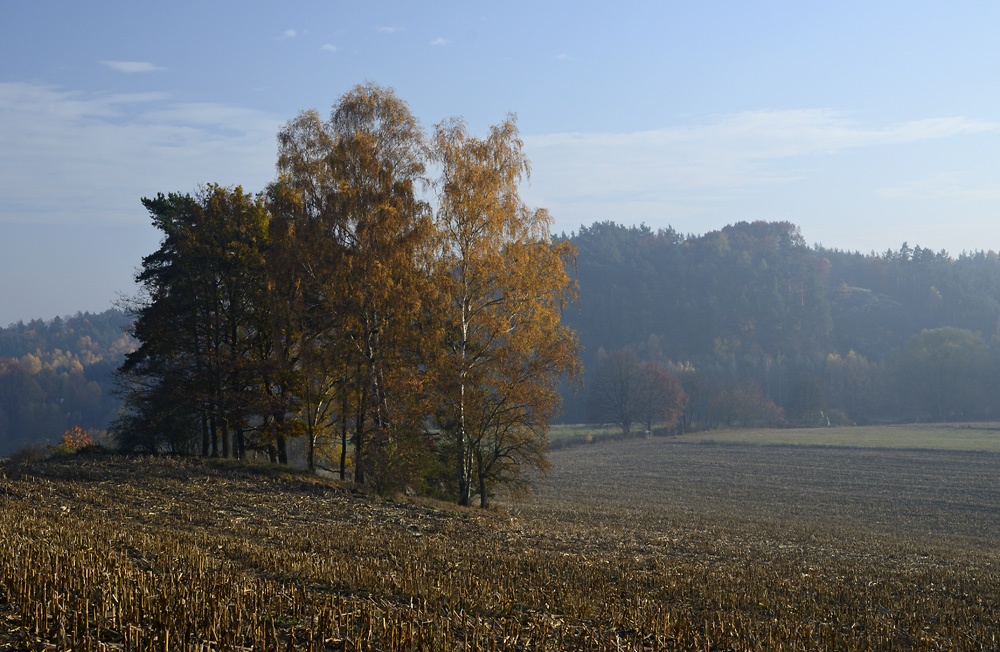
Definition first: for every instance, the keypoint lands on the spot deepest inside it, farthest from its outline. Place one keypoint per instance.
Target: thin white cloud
(734, 151)
(289, 33)
(686, 170)
(330, 47)
(131, 66)
(563, 57)
(954, 185)
(440, 41)
(93, 156)
(389, 29)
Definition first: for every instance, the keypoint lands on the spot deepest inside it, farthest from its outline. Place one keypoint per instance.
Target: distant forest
(763, 329)
(759, 327)
(58, 374)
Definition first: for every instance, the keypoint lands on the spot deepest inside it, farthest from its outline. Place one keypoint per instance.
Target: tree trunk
(282, 450)
(484, 499)
(214, 428)
(464, 469)
(227, 443)
(311, 455)
(343, 435)
(359, 439)
(464, 463)
(205, 438)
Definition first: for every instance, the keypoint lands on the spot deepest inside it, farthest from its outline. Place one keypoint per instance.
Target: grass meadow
(959, 436)
(741, 540)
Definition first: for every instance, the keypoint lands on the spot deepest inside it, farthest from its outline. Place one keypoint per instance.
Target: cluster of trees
(626, 392)
(360, 307)
(761, 328)
(58, 374)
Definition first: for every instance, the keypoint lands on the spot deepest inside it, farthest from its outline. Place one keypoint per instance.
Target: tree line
(762, 329)
(407, 329)
(308, 312)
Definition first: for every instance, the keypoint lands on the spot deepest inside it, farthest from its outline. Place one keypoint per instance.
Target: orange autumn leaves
(76, 439)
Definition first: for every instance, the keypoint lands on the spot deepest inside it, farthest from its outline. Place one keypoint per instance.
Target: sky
(867, 124)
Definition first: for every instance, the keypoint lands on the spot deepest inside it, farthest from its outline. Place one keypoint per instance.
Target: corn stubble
(170, 554)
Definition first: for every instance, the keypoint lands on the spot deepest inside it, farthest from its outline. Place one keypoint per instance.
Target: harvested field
(647, 544)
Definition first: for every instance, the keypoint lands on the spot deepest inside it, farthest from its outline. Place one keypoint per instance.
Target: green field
(937, 436)
(580, 433)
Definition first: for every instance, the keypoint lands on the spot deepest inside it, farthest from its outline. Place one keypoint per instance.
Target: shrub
(31, 453)
(74, 440)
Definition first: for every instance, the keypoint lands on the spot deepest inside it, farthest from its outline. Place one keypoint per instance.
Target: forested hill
(58, 374)
(812, 329)
(749, 310)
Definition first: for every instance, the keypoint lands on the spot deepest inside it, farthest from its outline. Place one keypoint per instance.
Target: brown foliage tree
(660, 397)
(354, 178)
(614, 391)
(625, 392)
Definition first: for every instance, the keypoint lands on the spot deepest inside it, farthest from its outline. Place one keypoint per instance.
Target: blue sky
(867, 124)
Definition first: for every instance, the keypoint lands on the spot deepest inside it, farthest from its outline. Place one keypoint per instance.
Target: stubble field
(643, 544)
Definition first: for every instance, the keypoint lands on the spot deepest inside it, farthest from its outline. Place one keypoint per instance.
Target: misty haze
(394, 326)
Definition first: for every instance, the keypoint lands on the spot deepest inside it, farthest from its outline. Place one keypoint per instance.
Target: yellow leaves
(506, 284)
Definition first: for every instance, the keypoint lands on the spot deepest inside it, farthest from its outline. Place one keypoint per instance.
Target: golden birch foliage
(378, 160)
(351, 181)
(506, 285)
(384, 282)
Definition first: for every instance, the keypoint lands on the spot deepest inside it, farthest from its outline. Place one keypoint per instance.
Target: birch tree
(506, 285)
(356, 178)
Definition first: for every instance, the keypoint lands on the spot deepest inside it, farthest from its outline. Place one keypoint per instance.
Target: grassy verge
(574, 434)
(959, 436)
